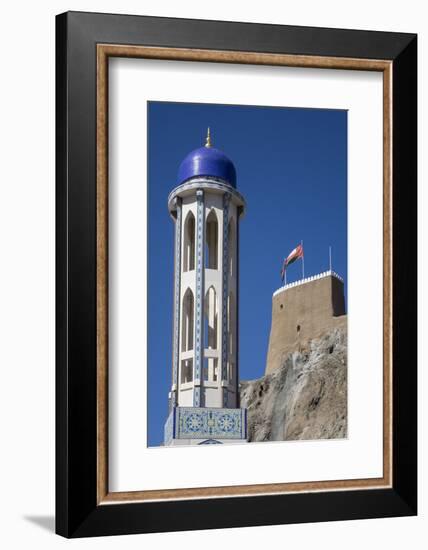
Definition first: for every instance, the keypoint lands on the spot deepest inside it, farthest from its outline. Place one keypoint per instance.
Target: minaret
(206, 208)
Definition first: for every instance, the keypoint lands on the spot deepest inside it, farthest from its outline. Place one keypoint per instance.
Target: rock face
(305, 398)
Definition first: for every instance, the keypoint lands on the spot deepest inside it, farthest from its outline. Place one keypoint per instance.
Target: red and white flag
(294, 255)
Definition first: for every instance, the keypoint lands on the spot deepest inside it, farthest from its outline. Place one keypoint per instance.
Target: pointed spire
(208, 140)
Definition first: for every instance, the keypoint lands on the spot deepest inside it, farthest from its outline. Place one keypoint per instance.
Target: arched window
(231, 322)
(211, 241)
(232, 250)
(211, 319)
(189, 243)
(210, 334)
(187, 321)
(231, 329)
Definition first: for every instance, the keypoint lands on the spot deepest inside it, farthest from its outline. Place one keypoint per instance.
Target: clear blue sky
(292, 170)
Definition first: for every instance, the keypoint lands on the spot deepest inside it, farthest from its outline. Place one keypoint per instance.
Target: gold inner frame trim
(104, 51)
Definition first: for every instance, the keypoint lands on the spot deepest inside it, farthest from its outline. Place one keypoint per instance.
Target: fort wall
(302, 311)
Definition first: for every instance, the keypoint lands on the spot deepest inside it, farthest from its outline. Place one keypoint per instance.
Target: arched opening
(211, 241)
(189, 243)
(187, 321)
(231, 322)
(211, 319)
(210, 335)
(231, 330)
(232, 247)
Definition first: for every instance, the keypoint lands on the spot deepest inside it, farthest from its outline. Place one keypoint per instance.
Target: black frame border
(77, 512)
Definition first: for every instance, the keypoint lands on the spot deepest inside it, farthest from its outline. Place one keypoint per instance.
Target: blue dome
(207, 161)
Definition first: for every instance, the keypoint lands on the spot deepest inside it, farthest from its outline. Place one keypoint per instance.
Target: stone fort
(302, 311)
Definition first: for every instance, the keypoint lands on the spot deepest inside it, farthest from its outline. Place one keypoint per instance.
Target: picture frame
(84, 44)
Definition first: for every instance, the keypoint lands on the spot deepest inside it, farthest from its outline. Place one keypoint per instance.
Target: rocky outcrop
(305, 398)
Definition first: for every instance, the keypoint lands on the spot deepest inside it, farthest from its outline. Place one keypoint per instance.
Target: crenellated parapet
(308, 280)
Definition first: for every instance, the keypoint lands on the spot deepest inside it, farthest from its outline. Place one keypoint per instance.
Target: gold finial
(208, 140)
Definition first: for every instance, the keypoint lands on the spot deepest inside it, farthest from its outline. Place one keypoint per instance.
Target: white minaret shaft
(205, 362)
(205, 332)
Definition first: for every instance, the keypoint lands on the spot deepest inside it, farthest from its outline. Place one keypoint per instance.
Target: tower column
(177, 308)
(225, 284)
(206, 207)
(239, 212)
(199, 305)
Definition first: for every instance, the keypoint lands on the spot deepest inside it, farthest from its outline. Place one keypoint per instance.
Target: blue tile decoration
(199, 347)
(210, 423)
(225, 276)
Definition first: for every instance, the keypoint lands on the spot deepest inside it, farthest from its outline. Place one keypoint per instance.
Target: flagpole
(329, 254)
(303, 261)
